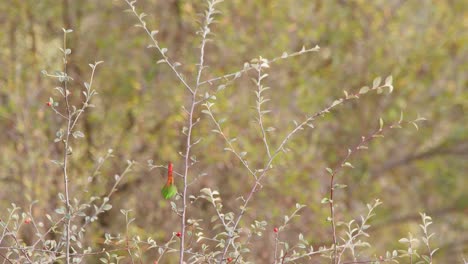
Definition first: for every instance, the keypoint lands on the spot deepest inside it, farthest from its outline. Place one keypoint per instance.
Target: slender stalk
(280, 149)
(333, 173)
(332, 220)
(5, 224)
(237, 74)
(258, 180)
(205, 31)
(260, 113)
(106, 199)
(267, 166)
(343, 163)
(155, 44)
(65, 155)
(427, 220)
(193, 92)
(360, 231)
(5, 258)
(368, 261)
(165, 248)
(186, 171)
(14, 236)
(72, 116)
(276, 246)
(127, 239)
(411, 255)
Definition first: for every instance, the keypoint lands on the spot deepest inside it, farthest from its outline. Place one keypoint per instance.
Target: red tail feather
(170, 178)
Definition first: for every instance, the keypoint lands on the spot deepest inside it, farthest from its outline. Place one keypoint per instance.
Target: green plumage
(169, 191)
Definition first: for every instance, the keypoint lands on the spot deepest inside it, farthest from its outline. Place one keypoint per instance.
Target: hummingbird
(169, 189)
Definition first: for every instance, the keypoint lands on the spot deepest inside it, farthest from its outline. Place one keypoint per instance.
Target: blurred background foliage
(423, 44)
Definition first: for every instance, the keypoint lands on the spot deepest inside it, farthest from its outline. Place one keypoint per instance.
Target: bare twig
(72, 115)
(307, 122)
(66, 152)
(260, 100)
(205, 31)
(25, 254)
(5, 258)
(248, 67)
(162, 51)
(341, 165)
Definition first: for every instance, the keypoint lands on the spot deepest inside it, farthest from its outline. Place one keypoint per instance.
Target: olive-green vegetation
(139, 114)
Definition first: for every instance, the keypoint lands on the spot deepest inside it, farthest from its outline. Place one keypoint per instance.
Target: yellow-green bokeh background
(423, 44)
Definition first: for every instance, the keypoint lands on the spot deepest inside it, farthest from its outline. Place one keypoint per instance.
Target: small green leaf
(60, 210)
(339, 186)
(78, 134)
(336, 102)
(364, 90)
(376, 82)
(389, 80)
(403, 240)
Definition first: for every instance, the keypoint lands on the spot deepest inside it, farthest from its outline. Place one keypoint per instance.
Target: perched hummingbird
(169, 189)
